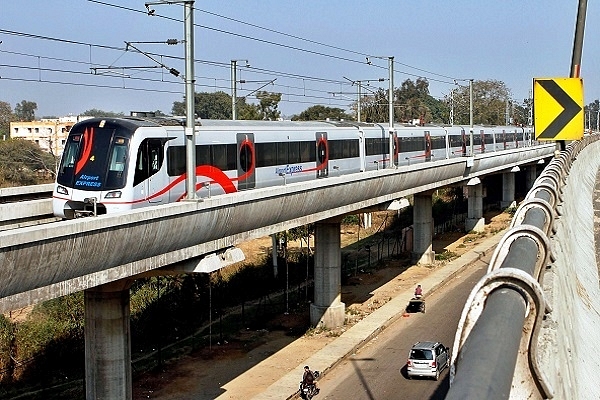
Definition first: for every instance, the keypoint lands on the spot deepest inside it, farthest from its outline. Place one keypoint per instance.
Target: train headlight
(113, 195)
(62, 190)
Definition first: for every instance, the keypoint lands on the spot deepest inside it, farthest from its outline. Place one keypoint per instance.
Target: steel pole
(391, 108)
(578, 40)
(233, 90)
(190, 118)
(471, 116)
(358, 102)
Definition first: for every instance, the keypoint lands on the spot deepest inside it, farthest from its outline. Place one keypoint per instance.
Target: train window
(294, 152)
(308, 152)
(219, 156)
(231, 156)
(175, 160)
(203, 155)
(118, 156)
(266, 154)
(336, 149)
(115, 177)
(149, 160)
(438, 142)
(282, 153)
(377, 146)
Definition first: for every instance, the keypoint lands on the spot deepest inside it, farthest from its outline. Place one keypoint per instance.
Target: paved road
(375, 371)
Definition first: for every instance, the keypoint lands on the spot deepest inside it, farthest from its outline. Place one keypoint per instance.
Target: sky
(71, 56)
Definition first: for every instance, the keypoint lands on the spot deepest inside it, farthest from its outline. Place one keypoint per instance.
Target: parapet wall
(568, 344)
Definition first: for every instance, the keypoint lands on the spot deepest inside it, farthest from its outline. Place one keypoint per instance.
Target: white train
(113, 165)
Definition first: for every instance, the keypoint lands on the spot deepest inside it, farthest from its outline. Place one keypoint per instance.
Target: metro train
(113, 165)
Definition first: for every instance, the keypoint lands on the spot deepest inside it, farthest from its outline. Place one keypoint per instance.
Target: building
(49, 134)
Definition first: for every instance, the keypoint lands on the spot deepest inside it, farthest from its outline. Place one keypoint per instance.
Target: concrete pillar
(530, 176)
(107, 342)
(274, 254)
(508, 190)
(367, 220)
(327, 310)
(423, 228)
(475, 221)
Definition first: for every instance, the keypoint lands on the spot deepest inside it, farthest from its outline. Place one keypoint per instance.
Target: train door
(246, 161)
(156, 182)
(322, 155)
(504, 138)
(482, 138)
(396, 148)
(463, 136)
(427, 146)
(361, 150)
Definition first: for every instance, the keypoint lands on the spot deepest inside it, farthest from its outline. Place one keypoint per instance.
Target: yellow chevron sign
(558, 108)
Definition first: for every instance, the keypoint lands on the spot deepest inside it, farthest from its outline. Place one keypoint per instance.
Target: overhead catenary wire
(285, 87)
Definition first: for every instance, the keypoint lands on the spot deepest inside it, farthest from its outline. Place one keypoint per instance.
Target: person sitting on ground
(418, 292)
(308, 378)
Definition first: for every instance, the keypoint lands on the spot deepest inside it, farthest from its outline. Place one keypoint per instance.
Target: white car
(427, 359)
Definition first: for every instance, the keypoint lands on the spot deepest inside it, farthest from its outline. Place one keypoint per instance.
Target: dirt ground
(253, 360)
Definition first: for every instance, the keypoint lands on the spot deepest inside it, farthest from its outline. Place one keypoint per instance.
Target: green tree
(94, 112)
(21, 161)
(25, 110)
(268, 104)
(215, 105)
(591, 114)
(320, 112)
(6, 117)
(374, 107)
(489, 103)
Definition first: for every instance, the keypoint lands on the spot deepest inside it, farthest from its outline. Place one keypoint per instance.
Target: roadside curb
(372, 325)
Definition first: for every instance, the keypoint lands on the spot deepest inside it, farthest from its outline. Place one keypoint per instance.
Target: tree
(319, 112)
(215, 105)
(411, 101)
(25, 111)
(94, 112)
(591, 114)
(374, 107)
(21, 161)
(489, 103)
(6, 117)
(268, 103)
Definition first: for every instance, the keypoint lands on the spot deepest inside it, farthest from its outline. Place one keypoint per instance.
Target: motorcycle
(307, 392)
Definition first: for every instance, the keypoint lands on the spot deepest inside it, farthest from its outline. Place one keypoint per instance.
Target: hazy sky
(57, 52)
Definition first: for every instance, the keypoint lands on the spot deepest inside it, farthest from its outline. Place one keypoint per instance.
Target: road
(377, 371)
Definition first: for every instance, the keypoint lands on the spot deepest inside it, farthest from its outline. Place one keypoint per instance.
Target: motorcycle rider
(418, 292)
(308, 378)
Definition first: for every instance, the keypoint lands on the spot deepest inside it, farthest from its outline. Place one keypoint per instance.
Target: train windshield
(94, 159)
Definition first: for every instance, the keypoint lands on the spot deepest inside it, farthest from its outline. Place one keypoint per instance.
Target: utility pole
(452, 107)
(391, 108)
(471, 116)
(234, 87)
(190, 113)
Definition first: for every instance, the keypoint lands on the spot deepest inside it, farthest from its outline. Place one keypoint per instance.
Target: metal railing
(504, 311)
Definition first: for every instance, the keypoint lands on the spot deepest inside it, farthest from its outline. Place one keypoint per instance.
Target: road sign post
(558, 108)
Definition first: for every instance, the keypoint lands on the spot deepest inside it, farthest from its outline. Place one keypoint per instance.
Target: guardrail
(25, 206)
(498, 328)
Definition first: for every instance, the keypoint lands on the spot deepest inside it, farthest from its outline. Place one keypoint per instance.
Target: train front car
(93, 173)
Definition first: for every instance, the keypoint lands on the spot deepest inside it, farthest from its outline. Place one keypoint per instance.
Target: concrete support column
(530, 176)
(475, 221)
(274, 254)
(107, 342)
(327, 310)
(508, 190)
(423, 228)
